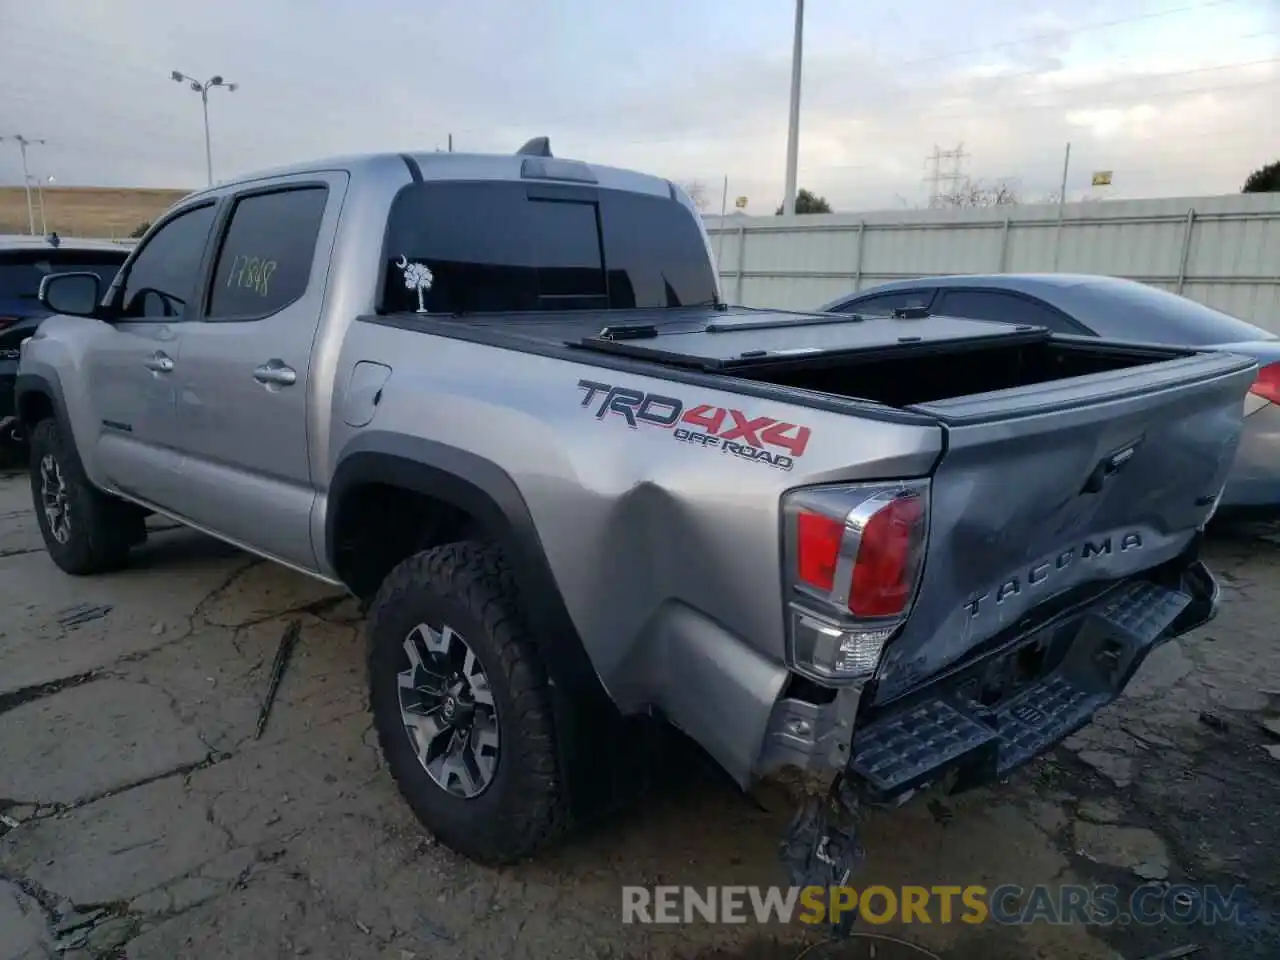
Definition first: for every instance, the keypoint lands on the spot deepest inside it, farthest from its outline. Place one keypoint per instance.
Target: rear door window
(265, 261)
(461, 248)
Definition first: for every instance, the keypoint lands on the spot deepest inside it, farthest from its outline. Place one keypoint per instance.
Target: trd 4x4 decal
(732, 432)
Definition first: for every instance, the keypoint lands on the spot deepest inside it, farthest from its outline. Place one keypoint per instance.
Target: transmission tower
(944, 183)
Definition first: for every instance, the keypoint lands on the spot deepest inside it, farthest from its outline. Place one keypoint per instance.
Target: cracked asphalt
(139, 816)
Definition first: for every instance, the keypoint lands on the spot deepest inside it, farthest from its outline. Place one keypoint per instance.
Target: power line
(41, 44)
(168, 135)
(1002, 110)
(1095, 105)
(1060, 91)
(1156, 161)
(1059, 34)
(1113, 63)
(1064, 91)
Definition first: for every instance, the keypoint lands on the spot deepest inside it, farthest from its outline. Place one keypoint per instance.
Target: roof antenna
(537, 147)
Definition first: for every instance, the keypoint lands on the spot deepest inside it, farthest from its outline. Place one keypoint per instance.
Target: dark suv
(24, 262)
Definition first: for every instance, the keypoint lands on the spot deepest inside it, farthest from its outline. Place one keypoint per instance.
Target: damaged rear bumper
(991, 714)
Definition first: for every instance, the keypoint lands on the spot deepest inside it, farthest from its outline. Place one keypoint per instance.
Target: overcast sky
(1177, 97)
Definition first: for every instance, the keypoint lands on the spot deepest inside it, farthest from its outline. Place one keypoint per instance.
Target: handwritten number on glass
(251, 273)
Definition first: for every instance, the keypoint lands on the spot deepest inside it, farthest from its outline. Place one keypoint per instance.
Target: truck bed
(1066, 461)
(715, 340)
(906, 364)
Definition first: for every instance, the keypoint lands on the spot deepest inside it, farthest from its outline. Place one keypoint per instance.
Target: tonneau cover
(740, 339)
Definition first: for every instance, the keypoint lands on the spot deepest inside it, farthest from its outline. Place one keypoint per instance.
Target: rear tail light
(854, 554)
(1267, 384)
(7, 322)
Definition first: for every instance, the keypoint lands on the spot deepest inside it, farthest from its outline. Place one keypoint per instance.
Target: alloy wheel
(446, 705)
(54, 499)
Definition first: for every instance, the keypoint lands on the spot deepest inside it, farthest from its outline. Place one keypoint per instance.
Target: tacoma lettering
(1042, 572)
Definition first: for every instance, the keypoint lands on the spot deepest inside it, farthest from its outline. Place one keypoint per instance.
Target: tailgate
(1048, 487)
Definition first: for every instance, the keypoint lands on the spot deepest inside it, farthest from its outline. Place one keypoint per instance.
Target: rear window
(1163, 317)
(502, 247)
(22, 270)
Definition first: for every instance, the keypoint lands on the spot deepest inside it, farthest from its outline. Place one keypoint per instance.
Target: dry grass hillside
(84, 211)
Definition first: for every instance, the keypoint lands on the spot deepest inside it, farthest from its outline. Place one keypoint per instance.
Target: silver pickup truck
(499, 399)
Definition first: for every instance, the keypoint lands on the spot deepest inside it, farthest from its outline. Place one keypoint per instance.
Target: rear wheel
(85, 530)
(462, 707)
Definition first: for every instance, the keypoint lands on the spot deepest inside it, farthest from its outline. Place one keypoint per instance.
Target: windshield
(1165, 317)
(506, 247)
(22, 270)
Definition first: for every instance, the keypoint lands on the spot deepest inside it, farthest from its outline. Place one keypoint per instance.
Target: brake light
(7, 322)
(855, 553)
(818, 549)
(884, 573)
(1267, 384)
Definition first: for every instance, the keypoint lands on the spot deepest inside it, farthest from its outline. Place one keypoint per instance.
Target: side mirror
(76, 294)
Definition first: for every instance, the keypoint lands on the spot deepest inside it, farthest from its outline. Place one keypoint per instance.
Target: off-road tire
(102, 528)
(468, 587)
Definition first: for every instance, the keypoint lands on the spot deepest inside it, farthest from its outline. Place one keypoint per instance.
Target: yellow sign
(740, 203)
(1102, 178)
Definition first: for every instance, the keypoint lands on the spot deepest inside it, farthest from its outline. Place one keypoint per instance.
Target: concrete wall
(1223, 251)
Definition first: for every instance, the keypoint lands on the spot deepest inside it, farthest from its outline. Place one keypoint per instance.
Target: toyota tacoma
(499, 399)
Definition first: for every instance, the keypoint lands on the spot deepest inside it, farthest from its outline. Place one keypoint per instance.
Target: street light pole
(44, 222)
(208, 147)
(202, 88)
(793, 129)
(23, 143)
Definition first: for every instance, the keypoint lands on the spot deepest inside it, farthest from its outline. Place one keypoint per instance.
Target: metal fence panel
(1223, 251)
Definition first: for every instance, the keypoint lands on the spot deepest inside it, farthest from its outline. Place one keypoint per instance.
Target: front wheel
(85, 530)
(462, 706)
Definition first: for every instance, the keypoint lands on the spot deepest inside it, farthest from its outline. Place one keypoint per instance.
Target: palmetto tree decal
(417, 276)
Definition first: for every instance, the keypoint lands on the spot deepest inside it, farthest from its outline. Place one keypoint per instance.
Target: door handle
(275, 373)
(159, 362)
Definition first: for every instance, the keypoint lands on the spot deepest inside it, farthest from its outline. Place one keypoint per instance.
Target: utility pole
(451, 143)
(1062, 202)
(1066, 166)
(724, 207)
(44, 222)
(23, 143)
(793, 128)
(203, 88)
